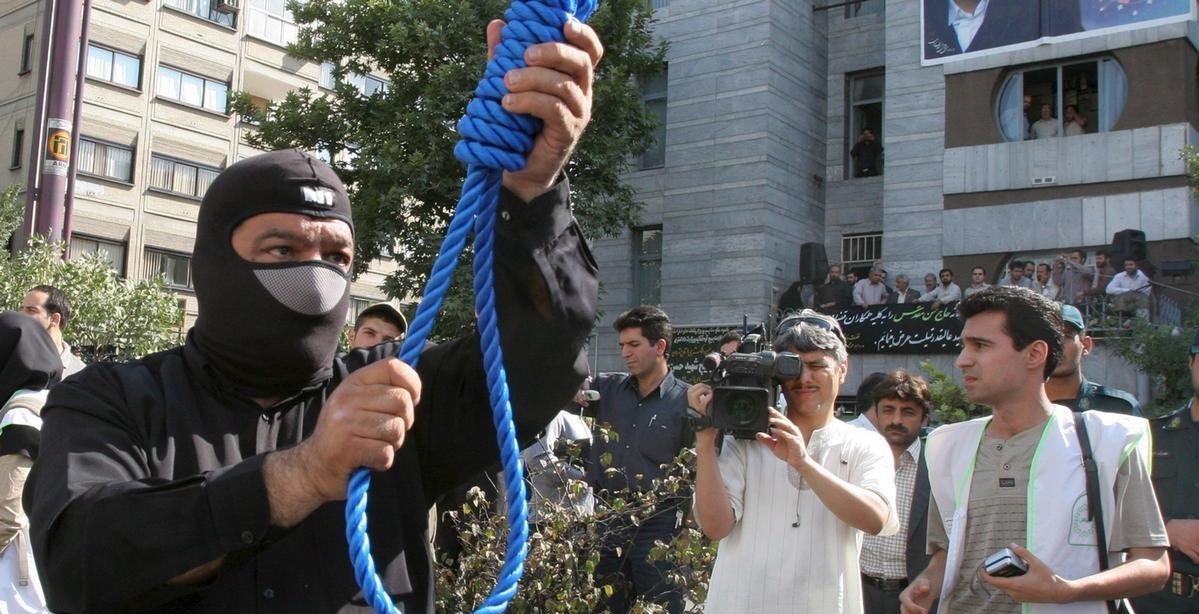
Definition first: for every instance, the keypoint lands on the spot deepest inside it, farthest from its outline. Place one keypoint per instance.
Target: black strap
(1094, 506)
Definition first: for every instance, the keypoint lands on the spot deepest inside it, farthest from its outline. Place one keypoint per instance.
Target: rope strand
(493, 141)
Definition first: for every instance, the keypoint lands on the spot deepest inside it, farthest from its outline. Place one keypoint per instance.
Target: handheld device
(1005, 564)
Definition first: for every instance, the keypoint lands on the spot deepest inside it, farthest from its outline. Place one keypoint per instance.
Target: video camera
(743, 386)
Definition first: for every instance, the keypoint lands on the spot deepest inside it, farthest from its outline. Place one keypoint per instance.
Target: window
(192, 89)
(101, 159)
(647, 271)
(653, 97)
(861, 250)
(357, 306)
(26, 54)
(174, 268)
(327, 80)
(178, 177)
(271, 21)
(109, 251)
(204, 9)
(114, 66)
(863, 7)
(1063, 100)
(18, 146)
(864, 96)
(368, 85)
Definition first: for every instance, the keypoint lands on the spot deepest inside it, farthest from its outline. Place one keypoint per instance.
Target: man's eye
(281, 251)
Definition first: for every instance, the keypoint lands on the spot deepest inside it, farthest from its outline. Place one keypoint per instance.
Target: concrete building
(155, 129)
(763, 101)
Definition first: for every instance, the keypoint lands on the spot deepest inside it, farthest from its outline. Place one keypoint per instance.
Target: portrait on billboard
(955, 28)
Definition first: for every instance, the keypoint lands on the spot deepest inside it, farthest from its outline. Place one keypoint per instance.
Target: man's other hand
(917, 598)
(1184, 537)
(555, 87)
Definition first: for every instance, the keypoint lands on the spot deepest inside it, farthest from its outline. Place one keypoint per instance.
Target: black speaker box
(1127, 243)
(813, 263)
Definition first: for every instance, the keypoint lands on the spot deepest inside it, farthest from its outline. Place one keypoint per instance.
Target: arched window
(1081, 97)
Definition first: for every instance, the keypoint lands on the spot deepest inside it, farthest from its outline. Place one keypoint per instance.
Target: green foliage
(564, 551)
(403, 175)
(1162, 352)
(113, 318)
(949, 399)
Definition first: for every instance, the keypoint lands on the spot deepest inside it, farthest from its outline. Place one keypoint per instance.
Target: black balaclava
(268, 330)
(28, 357)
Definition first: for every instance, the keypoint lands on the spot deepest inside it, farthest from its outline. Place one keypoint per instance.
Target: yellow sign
(58, 146)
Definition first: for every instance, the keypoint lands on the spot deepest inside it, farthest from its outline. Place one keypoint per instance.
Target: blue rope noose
(493, 141)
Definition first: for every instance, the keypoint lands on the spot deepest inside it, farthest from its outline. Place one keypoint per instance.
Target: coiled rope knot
(493, 141)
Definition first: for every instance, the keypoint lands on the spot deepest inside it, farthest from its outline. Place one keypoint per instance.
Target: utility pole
(60, 90)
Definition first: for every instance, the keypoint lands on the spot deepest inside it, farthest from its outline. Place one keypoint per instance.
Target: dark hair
(1029, 317)
(902, 385)
(1082, 253)
(1072, 106)
(1104, 252)
(732, 335)
(653, 322)
(978, 268)
(56, 302)
(867, 388)
(950, 271)
(1015, 264)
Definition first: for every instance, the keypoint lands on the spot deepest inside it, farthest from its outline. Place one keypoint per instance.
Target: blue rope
(493, 141)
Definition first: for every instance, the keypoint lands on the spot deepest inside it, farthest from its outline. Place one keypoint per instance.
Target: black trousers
(878, 601)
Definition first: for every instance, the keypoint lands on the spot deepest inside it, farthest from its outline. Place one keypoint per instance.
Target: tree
(949, 399)
(394, 147)
(1161, 351)
(112, 319)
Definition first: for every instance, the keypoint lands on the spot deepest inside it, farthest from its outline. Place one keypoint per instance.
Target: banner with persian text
(901, 329)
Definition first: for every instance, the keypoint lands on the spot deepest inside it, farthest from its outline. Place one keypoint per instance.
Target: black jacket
(149, 469)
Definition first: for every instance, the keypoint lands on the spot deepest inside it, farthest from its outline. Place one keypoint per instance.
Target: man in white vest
(1015, 479)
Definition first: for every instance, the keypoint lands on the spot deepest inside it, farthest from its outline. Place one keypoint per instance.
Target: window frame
(1059, 103)
(852, 129)
(161, 253)
(869, 242)
(119, 267)
(286, 19)
(655, 156)
(853, 8)
(108, 145)
(150, 187)
(27, 51)
(159, 94)
(175, 6)
(641, 259)
(17, 159)
(137, 86)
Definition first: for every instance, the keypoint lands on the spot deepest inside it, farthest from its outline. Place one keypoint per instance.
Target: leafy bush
(949, 399)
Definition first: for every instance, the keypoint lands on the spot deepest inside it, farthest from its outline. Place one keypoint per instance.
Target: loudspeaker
(813, 263)
(1127, 243)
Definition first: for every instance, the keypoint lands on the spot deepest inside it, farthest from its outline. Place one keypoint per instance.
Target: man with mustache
(902, 402)
(790, 506)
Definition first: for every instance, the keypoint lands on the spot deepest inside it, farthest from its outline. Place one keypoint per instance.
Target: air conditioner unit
(225, 6)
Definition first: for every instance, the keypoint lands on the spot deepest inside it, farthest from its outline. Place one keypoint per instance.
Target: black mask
(28, 358)
(268, 330)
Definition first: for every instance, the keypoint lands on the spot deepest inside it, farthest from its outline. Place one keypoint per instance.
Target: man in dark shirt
(866, 154)
(1067, 385)
(834, 293)
(647, 409)
(211, 477)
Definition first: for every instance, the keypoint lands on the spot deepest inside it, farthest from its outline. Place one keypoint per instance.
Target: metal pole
(51, 212)
(39, 122)
(80, 73)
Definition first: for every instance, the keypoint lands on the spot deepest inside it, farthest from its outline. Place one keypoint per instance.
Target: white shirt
(1044, 128)
(70, 362)
(943, 294)
(1123, 283)
(966, 25)
(866, 292)
(787, 552)
(863, 422)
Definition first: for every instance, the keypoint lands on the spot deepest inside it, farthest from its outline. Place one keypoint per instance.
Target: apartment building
(764, 100)
(155, 129)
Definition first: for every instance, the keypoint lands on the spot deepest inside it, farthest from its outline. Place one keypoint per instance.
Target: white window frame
(95, 158)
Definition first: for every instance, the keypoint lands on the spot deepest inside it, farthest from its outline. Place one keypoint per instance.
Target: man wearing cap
(211, 477)
(378, 323)
(1175, 464)
(1067, 386)
(790, 507)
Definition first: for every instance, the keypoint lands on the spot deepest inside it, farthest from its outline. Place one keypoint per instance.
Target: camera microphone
(589, 395)
(795, 524)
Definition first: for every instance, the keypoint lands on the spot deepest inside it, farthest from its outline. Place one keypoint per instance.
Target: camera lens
(743, 410)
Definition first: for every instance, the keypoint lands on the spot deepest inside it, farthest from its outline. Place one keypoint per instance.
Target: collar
(914, 450)
(210, 379)
(667, 382)
(956, 14)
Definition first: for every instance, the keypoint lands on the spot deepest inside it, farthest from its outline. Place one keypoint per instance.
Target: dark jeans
(624, 563)
(878, 601)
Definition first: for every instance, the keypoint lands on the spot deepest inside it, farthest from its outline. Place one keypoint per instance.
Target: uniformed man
(1175, 465)
(1068, 387)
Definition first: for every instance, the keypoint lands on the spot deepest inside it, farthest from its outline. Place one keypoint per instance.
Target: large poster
(690, 345)
(954, 29)
(901, 329)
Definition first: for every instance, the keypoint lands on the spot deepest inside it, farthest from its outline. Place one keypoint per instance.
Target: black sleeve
(20, 439)
(93, 471)
(546, 290)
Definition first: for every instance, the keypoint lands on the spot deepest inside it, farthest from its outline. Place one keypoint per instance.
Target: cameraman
(808, 488)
